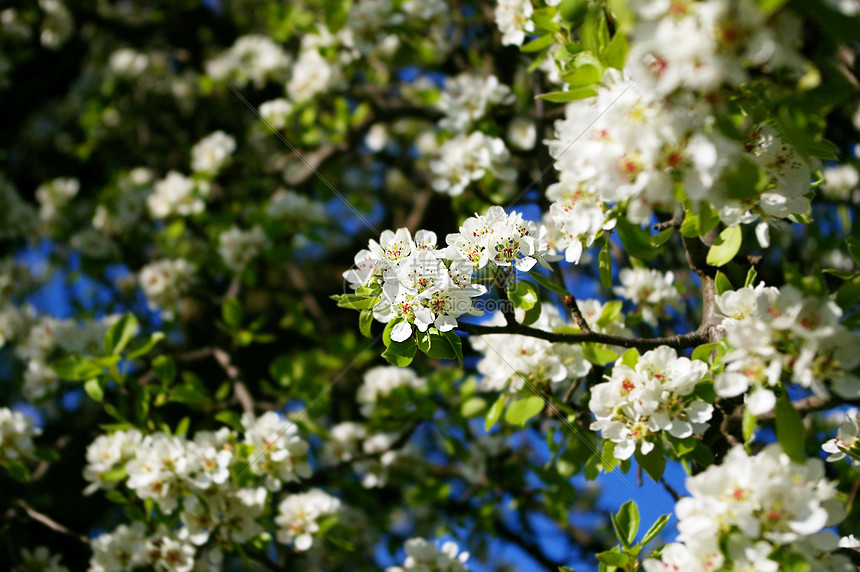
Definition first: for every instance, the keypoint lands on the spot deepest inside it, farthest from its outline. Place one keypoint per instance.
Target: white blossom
(238, 247)
(469, 158)
(424, 556)
(252, 59)
(513, 17)
(299, 515)
(210, 154)
(177, 194)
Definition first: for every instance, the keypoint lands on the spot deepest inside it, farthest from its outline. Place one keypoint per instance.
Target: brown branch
(578, 318)
(679, 341)
(239, 387)
(50, 523)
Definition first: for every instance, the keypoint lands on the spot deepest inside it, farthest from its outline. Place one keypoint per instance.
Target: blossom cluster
(211, 154)
(699, 46)
(238, 247)
(164, 282)
(379, 382)
(252, 59)
(651, 290)
(511, 362)
(16, 436)
(424, 556)
(199, 479)
(620, 148)
(40, 339)
(415, 285)
(771, 331)
(754, 512)
(655, 394)
(469, 155)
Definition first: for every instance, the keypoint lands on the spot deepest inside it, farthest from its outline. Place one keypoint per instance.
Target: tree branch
(49, 522)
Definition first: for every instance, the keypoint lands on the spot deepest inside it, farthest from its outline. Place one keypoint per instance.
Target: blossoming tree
(581, 237)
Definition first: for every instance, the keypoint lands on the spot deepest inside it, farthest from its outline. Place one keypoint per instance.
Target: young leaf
(654, 463)
(164, 368)
(751, 276)
(231, 313)
(605, 264)
(400, 353)
(723, 283)
(119, 334)
(76, 368)
(655, 528)
(365, 320)
(790, 431)
(626, 523)
(549, 284)
(94, 389)
(524, 409)
(495, 412)
(725, 247)
(142, 348)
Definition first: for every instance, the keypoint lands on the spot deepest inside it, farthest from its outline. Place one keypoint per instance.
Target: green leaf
(570, 95)
(723, 283)
(607, 456)
(613, 558)
(745, 179)
(770, 6)
(523, 295)
(76, 368)
(751, 276)
(365, 320)
(748, 425)
(119, 334)
(654, 463)
(400, 353)
(848, 294)
(611, 312)
(703, 352)
(538, 44)
(386, 333)
(231, 418)
(598, 354)
(637, 240)
(604, 261)
(549, 284)
(17, 470)
(164, 368)
(495, 412)
(725, 247)
(853, 248)
(790, 431)
(142, 348)
(626, 523)
(355, 302)
(94, 389)
(521, 410)
(655, 528)
(544, 20)
(573, 10)
(616, 52)
(472, 407)
(231, 312)
(630, 358)
(700, 224)
(440, 346)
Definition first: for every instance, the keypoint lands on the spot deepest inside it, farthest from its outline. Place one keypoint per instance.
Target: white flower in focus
(210, 154)
(298, 517)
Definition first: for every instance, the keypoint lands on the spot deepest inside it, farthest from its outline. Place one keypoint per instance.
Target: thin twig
(50, 523)
(570, 302)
